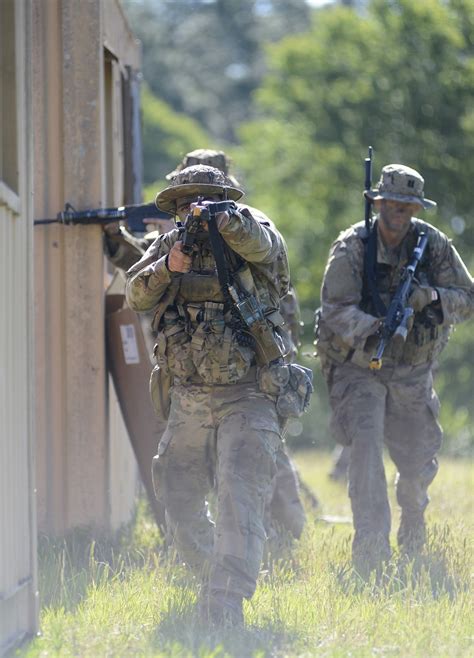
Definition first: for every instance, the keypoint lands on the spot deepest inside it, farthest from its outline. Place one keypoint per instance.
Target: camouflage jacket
(186, 342)
(346, 326)
(124, 249)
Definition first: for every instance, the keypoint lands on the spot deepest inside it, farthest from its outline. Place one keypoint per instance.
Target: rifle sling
(370, 271)
(217, 245)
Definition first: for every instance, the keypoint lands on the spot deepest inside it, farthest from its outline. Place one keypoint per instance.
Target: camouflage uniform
(222, 429)
(123, 249)
(397, 404)
(285, 512)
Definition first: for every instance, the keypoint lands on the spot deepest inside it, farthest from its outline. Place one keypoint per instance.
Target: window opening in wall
(8, 98)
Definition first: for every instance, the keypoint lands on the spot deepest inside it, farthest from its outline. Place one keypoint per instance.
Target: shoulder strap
(370, 272)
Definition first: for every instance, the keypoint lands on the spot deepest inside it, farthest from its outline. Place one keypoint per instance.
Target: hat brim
(375, 195)
(166, 200)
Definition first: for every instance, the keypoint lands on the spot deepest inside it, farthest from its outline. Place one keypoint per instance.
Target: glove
(422, 296)
(112, 230)
(222, 219)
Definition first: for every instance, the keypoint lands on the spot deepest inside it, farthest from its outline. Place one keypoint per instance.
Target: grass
(126, 599)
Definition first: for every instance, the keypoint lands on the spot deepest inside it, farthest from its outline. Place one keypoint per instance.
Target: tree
(167, 137)
(401, 78)
(205, 59)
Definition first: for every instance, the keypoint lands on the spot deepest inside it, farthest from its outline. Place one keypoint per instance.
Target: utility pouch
(291, 384)
(218, 357)
(160, 385)
(173, 352)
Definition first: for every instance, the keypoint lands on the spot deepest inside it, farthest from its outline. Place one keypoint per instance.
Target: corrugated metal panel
(16, 569)
(18, 601)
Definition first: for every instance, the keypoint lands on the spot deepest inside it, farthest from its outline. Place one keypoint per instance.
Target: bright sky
(318, 3)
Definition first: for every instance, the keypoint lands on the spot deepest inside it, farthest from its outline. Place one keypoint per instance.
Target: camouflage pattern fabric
(344, 327)
(285, 509)
(228, 435)
(225, 434)
(397, 404)
(285, 517)
(290, 310)
(258, 244)
(123, 249)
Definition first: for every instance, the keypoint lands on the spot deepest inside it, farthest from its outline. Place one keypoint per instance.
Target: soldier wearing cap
(395, 405)
(222, 428)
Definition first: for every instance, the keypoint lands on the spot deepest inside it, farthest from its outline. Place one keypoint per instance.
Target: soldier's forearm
(457, 304)
(351, 324)
(251, 240)
(146, 287)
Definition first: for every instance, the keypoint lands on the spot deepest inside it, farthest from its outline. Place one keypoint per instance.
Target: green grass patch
(126, 598)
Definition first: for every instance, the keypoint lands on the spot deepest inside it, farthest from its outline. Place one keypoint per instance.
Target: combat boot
(411, 534)
(221, 609)
(370, 553)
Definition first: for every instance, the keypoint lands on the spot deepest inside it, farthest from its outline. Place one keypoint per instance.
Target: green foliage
(169, 134)
(206, 58)
(131, 600)
(399, 77)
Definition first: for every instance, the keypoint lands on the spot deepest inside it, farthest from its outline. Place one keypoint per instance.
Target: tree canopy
(300, 100)
(205, 58)
(400, 78)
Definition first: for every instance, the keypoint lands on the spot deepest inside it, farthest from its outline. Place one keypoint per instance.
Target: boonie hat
(198, 180)
(400, 183)
(217, 159)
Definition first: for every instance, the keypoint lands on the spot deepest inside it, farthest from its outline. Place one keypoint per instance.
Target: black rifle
(132, 215)
(399, 314)
(194, 221)
(367, 186)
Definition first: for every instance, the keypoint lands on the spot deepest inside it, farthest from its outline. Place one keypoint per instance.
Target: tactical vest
(198, 341)
(380, 280)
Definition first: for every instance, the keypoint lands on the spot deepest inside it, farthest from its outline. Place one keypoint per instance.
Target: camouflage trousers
(227, 437)
(284, 513)
(396, 406)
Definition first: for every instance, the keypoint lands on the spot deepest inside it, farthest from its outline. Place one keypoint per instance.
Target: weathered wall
(86, 470)
(18, 600)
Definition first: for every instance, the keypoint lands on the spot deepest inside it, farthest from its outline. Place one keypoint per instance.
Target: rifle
(243, 303)
(399, 314)
(367, 186)
(133, 215)
(194, 220)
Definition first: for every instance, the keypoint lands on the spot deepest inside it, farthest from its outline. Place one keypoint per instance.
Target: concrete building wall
(18, 600)
(65, 458)
(86, 469)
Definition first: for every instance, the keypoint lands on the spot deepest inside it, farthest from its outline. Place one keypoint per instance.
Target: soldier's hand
(112, 229)
(178, 261)
(222, 219)
(422, 296)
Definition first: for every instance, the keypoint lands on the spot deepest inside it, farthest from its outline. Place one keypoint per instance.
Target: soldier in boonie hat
(209, 157)
(400, 183)
(198, 180)
(396, 405)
